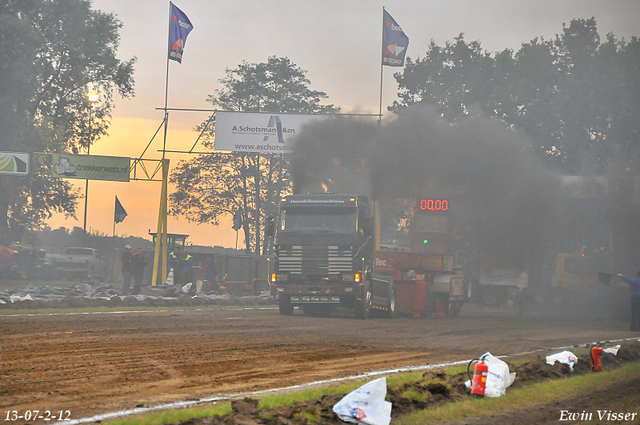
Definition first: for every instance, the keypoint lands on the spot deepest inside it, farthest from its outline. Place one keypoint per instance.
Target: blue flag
(394, 42)
(179, 28)
(120, 213)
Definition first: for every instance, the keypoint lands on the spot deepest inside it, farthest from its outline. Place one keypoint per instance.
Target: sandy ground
(102, 362)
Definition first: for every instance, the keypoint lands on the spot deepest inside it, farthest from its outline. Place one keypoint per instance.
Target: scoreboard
(431, 226)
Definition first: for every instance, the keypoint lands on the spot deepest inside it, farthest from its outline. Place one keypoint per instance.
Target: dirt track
(97, 363)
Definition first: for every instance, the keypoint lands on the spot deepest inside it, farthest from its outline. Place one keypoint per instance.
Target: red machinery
(426, 282)
(479, 382)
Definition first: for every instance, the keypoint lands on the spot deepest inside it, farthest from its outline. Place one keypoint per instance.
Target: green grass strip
(174, 416)
(272, 401)
(541, 393)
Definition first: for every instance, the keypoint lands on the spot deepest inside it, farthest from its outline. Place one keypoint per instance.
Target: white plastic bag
(612, 350)
(366, 405)
(566, 357)
(498, 376)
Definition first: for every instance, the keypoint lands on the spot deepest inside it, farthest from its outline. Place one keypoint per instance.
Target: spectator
(188, 263)
(177, 264)
(635, 301)
(127, 259)
(138, 267)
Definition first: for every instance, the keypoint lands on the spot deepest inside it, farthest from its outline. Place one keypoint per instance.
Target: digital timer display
(433, 204)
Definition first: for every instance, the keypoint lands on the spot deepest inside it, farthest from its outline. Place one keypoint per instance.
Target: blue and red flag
(394, 42)
(179, 28)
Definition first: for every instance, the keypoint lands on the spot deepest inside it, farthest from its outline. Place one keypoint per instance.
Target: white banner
(259, 132)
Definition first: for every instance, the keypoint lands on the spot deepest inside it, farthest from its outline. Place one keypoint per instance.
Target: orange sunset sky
(337, 41)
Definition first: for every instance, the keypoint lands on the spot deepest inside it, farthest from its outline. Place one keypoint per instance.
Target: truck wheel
(493, 295)
(363, 306)
(454, 309)
(286, 308)
(391, 305)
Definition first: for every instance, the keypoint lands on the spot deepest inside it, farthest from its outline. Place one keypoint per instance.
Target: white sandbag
(498, 376)
(565, 357)
(366, 405)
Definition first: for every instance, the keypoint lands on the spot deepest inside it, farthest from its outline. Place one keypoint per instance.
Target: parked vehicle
(32, 262)
(79, 263)
(9, 263)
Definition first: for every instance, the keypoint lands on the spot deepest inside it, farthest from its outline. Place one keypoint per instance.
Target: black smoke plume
(504, 196)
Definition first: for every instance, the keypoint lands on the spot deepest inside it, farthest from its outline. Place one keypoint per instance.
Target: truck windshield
(338, 220)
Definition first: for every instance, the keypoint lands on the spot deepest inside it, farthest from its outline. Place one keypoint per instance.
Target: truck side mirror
(270, 226)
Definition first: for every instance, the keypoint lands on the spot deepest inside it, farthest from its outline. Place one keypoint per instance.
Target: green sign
(15, 163)
(91, 167)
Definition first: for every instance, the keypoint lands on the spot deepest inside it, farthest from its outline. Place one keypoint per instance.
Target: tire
(393, 300)
(285, 306)
(493, 295)
(363, 306)
(454, 309)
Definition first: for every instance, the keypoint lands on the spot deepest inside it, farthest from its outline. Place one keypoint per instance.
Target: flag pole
(381, 69)
(114, 215)
(376, 205)
(161, 232)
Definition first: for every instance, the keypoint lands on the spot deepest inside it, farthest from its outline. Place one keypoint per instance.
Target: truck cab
(324, 255)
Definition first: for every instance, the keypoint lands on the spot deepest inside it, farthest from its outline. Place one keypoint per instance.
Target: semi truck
(326, 256)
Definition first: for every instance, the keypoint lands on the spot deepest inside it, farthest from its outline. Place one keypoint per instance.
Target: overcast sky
(337, 42)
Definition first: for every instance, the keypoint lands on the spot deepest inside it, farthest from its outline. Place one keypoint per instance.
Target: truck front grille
(315, 260)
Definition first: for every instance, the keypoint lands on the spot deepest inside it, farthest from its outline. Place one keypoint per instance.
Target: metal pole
(381, 69)
(161, 233)
(86, 186)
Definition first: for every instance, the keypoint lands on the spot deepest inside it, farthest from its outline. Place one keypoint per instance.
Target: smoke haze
(504, 195)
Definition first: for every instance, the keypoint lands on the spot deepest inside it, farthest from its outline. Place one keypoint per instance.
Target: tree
(213, 185)
(574, 96)
(54, 53)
